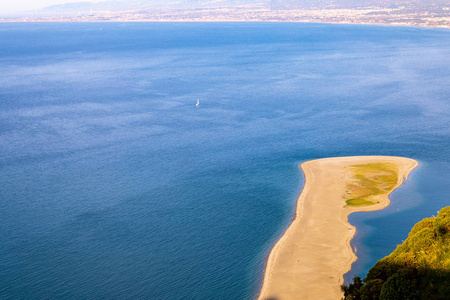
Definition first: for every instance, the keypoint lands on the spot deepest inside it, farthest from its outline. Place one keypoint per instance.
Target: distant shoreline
(69, 20)
(21, 20)
(310, 259)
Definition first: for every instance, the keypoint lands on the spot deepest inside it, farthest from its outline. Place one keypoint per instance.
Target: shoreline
(25, 20)
(312, 256)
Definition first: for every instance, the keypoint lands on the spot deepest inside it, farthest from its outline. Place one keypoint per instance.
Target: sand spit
(310, 259)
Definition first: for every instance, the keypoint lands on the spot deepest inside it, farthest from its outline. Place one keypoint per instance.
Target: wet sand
(311, 258)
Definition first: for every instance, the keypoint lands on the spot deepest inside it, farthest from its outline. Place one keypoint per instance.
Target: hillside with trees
(419, 268)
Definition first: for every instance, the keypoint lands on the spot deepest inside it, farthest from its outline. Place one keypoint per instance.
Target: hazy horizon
(22, 6)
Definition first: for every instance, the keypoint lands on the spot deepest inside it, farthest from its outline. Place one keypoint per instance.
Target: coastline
(311, 258)
(68, 20)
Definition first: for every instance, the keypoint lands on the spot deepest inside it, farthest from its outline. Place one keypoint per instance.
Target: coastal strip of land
(436, 15)
(310, 259)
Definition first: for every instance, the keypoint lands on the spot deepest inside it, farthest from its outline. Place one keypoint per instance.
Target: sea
(115, 185)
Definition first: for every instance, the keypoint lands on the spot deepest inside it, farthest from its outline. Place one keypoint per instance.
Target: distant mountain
(272, 4)
(86, 6)
(149, 4)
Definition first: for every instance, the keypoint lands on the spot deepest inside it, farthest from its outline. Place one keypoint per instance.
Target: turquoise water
(115, 185)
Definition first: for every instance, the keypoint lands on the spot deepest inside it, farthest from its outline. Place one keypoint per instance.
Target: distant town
(429, 16)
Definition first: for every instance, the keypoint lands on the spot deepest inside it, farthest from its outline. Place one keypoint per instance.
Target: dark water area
(115, 185)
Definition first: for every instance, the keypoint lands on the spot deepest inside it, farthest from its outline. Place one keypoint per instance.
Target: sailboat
(198, 103)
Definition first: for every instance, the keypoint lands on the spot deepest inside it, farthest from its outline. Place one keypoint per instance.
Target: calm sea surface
(114, 185)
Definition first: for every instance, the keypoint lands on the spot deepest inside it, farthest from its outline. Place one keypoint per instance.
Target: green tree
(352, 291)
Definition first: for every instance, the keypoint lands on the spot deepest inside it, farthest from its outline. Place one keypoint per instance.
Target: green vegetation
(418, 269)
(368, 181)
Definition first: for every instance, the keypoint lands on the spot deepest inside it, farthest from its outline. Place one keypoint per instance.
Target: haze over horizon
(21, 6)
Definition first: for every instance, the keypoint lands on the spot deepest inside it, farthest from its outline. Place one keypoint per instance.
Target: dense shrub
(425, 223)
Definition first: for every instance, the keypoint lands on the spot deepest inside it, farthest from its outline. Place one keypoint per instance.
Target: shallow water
(115, 185)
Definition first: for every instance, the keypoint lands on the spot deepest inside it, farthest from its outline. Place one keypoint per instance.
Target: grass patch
(359, 202)
(369, 180)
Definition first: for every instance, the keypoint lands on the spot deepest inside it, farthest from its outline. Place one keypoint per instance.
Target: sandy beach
(310, 259)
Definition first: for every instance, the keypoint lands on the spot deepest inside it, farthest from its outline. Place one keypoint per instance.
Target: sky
(15, 6)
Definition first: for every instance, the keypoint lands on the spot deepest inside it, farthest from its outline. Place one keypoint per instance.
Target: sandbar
(311, 258)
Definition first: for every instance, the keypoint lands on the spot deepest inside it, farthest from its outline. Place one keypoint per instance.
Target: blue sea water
(114, 185)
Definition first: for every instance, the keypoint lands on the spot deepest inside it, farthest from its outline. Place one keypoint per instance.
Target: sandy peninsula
(310, 259)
